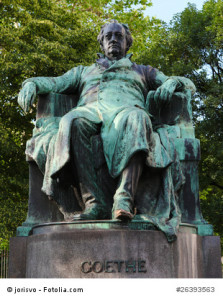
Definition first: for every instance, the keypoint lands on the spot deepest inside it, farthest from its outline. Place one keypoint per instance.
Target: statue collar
(106, 63)
(100, 55)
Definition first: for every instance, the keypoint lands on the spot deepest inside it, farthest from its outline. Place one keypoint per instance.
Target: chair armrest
(178, 113)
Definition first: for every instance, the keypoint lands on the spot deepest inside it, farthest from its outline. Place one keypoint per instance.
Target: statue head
(115, 39)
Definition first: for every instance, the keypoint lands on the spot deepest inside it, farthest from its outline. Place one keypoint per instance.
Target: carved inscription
(114, 266)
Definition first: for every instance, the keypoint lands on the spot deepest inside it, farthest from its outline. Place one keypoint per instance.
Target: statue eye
(108, 36)
(119, 36)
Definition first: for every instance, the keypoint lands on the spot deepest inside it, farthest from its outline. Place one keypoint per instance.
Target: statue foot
(93, 213)
(122, 215)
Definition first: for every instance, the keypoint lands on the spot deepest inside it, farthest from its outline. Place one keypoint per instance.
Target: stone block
(17, 257)
(111, 251)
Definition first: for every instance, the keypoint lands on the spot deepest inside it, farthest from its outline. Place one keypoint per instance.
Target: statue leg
(123, 207)
(97, 204)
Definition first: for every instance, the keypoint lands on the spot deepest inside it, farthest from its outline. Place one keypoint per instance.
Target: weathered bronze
(114, 140)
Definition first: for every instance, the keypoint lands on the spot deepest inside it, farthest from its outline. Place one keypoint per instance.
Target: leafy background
(49, 37)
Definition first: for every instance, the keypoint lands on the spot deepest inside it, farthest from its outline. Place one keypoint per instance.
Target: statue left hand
(27, 96)
(165, 92)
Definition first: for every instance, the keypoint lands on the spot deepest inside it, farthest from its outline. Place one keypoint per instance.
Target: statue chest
(112, 86)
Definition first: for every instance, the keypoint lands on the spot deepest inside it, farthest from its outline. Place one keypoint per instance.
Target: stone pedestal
(112, 250)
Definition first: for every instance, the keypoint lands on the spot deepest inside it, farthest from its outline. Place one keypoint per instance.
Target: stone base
(112, 251)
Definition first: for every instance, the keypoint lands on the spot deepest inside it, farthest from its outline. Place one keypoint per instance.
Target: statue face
(114, 42)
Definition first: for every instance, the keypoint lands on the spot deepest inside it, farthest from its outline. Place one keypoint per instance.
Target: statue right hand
(27, 96)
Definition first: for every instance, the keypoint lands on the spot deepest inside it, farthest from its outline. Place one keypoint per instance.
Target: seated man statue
(114, 96)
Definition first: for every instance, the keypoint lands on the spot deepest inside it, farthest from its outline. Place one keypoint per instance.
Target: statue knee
(84, 127)
(78, 124)
(140, 115)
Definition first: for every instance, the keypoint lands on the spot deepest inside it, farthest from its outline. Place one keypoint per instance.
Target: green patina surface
(104, 225)
(202, 230)
(188, 149)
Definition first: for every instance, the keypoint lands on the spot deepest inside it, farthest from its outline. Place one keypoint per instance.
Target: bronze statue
(120, 102)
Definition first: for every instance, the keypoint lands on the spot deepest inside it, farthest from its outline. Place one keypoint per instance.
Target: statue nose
(114, 38)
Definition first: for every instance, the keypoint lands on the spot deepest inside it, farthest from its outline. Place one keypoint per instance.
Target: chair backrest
(55, 105)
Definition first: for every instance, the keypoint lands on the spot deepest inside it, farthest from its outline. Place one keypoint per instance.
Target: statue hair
(129, 38)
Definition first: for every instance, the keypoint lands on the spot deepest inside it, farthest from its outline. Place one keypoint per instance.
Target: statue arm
(67, 83)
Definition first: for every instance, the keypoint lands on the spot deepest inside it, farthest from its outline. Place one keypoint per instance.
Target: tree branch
(217, 185)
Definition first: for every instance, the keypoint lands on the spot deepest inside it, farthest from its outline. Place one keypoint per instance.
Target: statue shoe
(94, 212)
(122, 215)
(122, 208)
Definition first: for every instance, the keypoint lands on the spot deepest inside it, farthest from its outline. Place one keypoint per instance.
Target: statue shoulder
(144, 68)
(147, 71)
